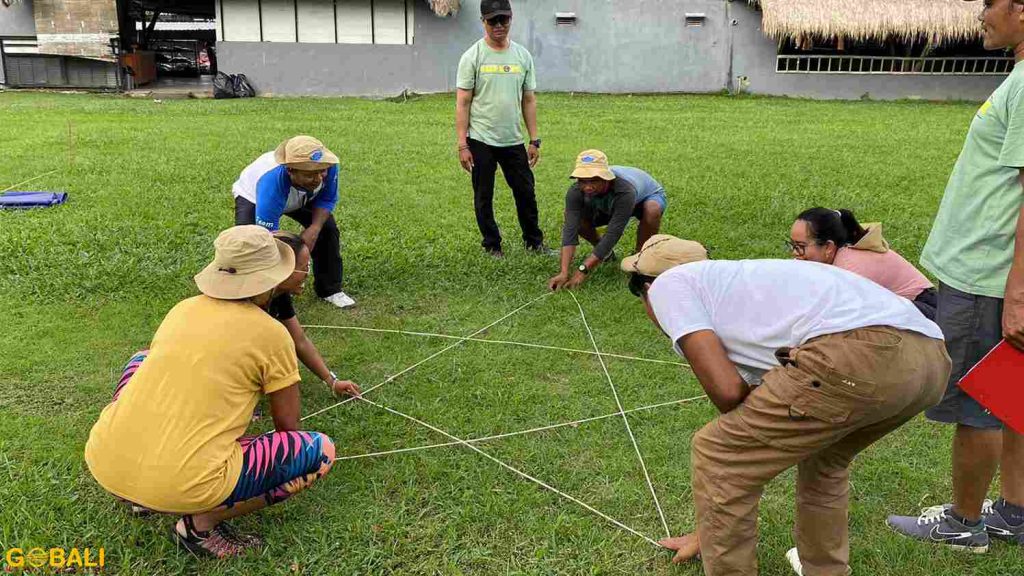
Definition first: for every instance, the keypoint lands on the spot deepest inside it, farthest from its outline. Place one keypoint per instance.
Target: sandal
(218, 542)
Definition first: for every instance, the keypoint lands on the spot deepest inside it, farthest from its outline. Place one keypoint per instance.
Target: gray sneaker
(543, 250)
(937, 526)
(997, 526)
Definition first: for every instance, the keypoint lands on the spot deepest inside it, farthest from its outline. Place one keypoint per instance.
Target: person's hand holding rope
(346, 387)
(687, 547)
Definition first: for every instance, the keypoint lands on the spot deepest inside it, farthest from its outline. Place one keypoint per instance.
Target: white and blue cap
(304, 153)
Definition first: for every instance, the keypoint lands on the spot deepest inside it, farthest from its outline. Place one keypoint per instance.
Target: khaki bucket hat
(248, 261)
(592, 164)
(661, 252)
(304, 153)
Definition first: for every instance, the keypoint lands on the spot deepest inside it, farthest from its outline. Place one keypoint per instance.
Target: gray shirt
(631, 186)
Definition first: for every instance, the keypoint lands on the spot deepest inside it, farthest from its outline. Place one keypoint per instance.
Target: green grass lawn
(84, 285)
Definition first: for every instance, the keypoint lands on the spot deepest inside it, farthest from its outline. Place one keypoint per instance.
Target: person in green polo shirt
(496, 83)
(976, 250)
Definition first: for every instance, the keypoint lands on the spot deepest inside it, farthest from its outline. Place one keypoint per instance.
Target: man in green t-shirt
(976, 250)
(496, 84)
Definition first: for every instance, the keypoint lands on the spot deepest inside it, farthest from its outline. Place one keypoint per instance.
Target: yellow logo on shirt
(984, 108)
(501, 69)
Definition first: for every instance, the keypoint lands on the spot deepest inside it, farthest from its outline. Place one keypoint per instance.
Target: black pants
(927, 302)
(515, 165)
(326, 255)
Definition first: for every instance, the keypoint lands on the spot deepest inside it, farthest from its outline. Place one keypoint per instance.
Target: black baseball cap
(492, 8)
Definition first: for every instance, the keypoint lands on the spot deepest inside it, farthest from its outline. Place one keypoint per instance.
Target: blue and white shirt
(266, 184)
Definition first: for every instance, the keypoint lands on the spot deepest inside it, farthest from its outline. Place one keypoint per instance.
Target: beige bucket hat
(304, 153)
(661, 252)
(248, 261)
(592, 164)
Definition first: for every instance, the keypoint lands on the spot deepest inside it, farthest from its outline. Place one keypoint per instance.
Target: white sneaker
(341, 300)
(794, 561)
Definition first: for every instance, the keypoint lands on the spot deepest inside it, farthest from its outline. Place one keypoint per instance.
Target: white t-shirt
(758, 306)
(250, 177)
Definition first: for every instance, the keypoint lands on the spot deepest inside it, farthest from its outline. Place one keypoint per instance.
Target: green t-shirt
(971, 243)
(498, 79)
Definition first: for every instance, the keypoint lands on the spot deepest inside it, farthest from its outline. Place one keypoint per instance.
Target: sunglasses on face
(499, 20)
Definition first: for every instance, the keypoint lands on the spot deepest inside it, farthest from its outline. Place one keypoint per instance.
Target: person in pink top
(835, 237)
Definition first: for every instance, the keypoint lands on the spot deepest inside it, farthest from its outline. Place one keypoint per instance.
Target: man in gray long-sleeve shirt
(605, 195)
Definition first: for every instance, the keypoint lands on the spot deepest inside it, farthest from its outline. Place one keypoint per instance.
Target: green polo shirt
(971, 243)
(498, 79)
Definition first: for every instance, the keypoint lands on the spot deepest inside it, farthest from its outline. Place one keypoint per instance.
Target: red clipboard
(997, 383)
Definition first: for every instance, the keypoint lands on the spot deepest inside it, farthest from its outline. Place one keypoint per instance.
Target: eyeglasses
(498, 20)
(794, 248)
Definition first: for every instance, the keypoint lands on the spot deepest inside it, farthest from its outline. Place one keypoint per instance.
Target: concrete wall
(17, 20)
(616, 46)
(754, 59)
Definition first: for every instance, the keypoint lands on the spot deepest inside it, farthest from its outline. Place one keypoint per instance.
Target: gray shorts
(972, 326)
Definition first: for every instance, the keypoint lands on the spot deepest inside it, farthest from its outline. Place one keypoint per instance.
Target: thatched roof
(444, 7)
(939, 20)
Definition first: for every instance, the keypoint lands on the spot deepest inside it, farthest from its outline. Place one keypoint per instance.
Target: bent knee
(329, 451)
(652, 211)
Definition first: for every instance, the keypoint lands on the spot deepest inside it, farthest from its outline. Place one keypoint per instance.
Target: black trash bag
(232, 86)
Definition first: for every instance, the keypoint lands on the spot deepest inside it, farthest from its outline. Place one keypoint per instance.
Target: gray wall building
(385, 47)
(23, 64)
(610, 46)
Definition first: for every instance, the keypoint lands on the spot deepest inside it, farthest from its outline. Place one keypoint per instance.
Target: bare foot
(687, 547)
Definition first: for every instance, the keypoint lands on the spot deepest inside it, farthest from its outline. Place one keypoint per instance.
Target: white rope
(12, 187)
(643, 466)
(520, 432)
(489, 341)
(425, 360)
(513, 469)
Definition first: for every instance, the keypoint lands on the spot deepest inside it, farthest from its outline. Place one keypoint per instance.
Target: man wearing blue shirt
(299, 180)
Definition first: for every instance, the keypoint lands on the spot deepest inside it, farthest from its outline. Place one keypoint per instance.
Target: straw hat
(248, 261)
(661, 252)
(304, 153)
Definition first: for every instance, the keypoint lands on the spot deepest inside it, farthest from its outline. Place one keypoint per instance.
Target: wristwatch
(583, 269)
(535, 143)
(334, 378)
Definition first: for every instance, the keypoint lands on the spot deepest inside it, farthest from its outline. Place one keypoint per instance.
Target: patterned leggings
(275, 465)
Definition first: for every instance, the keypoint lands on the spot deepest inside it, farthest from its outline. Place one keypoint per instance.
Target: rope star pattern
(470, 443)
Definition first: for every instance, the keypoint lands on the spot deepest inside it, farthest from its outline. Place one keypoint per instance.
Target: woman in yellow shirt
(173, 439)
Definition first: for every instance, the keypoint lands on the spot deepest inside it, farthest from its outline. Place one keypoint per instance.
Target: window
(316, 21)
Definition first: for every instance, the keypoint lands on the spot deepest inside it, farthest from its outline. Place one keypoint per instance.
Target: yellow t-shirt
(170, 441)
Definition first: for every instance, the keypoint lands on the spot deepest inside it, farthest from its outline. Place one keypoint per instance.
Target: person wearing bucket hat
(495, 93)
(976, 251)
(805, 377)
(605, 195)
(298, 179)
(173, 440)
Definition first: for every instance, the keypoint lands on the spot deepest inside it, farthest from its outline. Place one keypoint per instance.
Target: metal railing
(930, 66)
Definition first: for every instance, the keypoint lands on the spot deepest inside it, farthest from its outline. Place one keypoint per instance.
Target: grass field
(85, 285)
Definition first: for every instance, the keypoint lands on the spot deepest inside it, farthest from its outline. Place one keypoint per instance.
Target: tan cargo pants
(833, 397)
